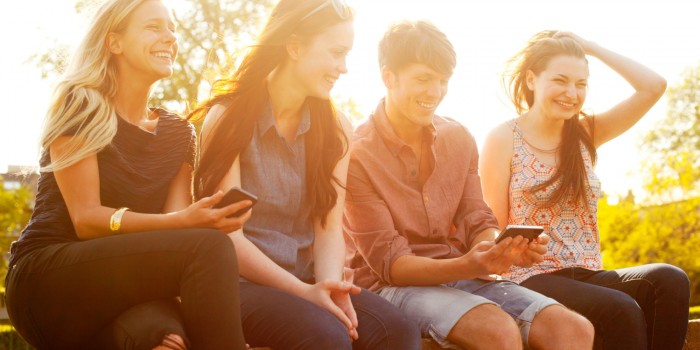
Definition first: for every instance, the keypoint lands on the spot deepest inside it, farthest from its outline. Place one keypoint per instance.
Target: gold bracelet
(115, 222)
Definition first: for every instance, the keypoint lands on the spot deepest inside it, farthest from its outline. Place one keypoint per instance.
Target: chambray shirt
(388, 214)
(275, 170)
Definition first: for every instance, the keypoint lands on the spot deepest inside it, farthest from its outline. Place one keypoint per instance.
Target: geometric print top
(572, 228)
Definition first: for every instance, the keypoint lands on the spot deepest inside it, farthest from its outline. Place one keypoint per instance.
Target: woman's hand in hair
(334, 296)
(585, 44)
(648, 87)
(203, 214)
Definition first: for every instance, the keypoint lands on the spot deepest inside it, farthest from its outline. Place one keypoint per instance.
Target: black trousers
(641, 307)
(114, 290)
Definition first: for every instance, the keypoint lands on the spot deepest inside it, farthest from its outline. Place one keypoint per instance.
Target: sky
(661, 34)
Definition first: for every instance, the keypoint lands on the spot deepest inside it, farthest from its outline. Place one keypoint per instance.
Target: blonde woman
(115, 237)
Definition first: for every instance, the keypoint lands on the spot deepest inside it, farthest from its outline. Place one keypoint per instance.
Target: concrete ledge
(692, 339)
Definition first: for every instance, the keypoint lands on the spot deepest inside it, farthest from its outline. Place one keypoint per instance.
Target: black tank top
(135, 171)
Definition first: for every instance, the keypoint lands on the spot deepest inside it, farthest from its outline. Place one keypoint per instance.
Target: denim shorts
(437, 309)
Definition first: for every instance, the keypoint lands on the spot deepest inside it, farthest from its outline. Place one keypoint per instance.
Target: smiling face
(413, 94)
(147, 46)
(320, 61)
(560, 89)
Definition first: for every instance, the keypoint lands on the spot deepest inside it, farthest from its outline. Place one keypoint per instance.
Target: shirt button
(413, 173)
(426, 199)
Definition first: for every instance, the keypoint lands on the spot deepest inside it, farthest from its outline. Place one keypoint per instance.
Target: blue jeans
(437, 309)
(276, 319)
(642, 307)
(119, 292)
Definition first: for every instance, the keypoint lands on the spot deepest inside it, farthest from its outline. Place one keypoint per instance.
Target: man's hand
(487, 257)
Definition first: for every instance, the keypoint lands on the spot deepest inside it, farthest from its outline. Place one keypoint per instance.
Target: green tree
(15, 210)
(632, 234)
(673, 145)
(211, 35)
(349, 108)
(666, 226)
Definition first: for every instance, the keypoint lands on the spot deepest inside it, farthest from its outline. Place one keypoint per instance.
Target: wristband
(115, 222)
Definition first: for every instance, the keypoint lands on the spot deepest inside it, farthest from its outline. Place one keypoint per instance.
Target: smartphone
(236, 194)
(529, 232)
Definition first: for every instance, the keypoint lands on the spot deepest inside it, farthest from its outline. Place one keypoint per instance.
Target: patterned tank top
(572, 228)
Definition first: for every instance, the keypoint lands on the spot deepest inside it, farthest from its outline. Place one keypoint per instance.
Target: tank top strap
(516, 129)
(519, 151)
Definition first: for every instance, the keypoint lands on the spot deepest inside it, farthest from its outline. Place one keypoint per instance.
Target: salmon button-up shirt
(389, 214)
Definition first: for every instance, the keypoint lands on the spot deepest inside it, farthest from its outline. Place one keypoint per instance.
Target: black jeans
(76, 295)
(642, 307)
(274, 318)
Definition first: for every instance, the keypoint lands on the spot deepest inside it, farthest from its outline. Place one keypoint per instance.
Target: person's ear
(114, 43)
(530, 80)
(294, 47)
(388, 77)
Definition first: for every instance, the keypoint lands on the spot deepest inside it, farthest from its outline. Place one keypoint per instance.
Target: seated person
(633, 308)
(114, 238)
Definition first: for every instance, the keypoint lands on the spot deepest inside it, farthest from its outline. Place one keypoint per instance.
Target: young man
(419, 231)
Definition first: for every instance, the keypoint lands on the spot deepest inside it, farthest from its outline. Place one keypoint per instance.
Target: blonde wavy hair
(81, 105)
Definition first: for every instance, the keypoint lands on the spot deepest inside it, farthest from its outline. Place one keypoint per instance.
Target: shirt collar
(267, 120)
(387, 133)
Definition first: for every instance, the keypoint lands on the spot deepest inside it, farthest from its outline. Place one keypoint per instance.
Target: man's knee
(486, 327)
(556, 327)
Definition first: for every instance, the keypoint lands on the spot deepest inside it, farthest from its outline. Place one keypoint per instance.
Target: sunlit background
(662, 34)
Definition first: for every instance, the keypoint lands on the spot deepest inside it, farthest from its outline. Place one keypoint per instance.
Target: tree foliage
(15, 210)
(673, 145)
(211, 35)
(349, 108)
(632, 234)
(666, 227)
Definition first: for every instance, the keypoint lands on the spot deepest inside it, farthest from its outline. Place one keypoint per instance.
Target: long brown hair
(245, 95)
(535, 57)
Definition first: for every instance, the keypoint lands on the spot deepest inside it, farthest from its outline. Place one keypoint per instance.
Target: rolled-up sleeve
(369, 224)
(473, 214)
